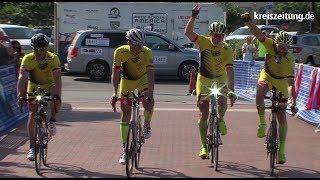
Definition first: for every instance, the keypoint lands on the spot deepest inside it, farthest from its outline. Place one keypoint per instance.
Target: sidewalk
(88, 145)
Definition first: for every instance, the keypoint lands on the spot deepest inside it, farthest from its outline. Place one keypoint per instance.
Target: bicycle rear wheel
(140, 140)
(130, 151)
(273, 147)
(216, 143)
(38, 145)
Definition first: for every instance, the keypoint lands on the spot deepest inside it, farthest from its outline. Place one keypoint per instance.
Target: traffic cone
(192, 82)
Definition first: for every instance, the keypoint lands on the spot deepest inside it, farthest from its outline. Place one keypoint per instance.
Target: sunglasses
(39, 49)
(15, 47)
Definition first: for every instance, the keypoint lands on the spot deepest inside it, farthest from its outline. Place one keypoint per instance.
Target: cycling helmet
(217, 27)
(136, 36)
(39, 40)
(284, 37)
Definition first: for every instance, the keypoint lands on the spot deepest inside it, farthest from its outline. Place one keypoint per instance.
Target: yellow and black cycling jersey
(284, 68)
(40, 72)
(133, 66)
(213, 59)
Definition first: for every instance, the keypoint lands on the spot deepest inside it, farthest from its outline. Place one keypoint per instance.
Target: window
(105, 39)
(310, 41)
(157, 43)
(19, 32)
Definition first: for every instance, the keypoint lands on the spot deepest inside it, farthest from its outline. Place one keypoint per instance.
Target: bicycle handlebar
(39, 95)
(136, 98)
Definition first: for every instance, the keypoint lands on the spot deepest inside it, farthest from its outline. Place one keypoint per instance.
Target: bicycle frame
(272, 136)
(41, 132)
(213, 137)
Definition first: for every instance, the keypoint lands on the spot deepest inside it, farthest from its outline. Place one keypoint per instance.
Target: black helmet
(39, 40)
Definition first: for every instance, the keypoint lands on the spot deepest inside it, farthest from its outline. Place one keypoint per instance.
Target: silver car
(91, 52)
(306, 48)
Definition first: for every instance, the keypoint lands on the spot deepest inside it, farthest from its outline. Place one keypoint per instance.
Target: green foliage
(236, 46)
(27, 13)
(233, 15)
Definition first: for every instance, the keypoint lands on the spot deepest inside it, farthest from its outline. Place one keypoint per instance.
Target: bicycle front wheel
(216, 143)
(38, 145)
(210, 138)
(45, 143)
(273, 148)
(130, 151)
(140, 140)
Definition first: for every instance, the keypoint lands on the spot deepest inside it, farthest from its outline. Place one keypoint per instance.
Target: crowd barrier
(246, 76)
(10, 115)
(307, 80)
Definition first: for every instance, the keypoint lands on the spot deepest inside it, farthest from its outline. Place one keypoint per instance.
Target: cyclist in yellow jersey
(278, 71)
(39, 68)
(135, 63)
(216, 65)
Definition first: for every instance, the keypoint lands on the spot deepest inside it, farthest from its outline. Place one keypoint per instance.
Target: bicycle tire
(210, 138)
(37, 145)
(139, 143)
(273, 148)
(216, 143)
(45, 143)
(130, 151)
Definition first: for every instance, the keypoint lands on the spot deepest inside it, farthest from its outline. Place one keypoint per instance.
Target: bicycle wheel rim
(273, 149)
(45, 148)
(210, 139)
(37, 147)
(139, 143)
(216, 145)
(129, 152)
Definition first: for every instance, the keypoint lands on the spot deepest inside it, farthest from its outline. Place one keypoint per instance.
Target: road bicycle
(41, 132)
(272, 141)
(213, 137)
(135, 138)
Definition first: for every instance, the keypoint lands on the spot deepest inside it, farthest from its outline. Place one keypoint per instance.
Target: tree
(27, 13)
(233, 15)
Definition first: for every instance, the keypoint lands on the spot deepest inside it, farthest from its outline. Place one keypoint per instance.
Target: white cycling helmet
(136, 36)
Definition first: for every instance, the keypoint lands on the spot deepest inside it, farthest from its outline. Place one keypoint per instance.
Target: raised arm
(253, 28)
(188, 31)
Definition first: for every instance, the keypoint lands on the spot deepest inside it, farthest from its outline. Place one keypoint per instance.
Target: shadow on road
(159, 172)
(240, 170)
(67, 170)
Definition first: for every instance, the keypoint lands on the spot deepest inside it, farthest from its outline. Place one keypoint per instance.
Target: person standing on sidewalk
(216, 65)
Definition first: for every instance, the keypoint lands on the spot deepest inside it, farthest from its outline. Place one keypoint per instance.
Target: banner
(10, 116)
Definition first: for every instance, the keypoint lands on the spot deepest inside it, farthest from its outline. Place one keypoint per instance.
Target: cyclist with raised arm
(134, 62)
(278, 71)
(216, 65)
(39, 68)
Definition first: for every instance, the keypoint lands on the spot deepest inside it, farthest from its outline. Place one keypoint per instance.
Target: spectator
(249, 49)
(3, 38)
(262, 49)
(4, 56)
(15, 54)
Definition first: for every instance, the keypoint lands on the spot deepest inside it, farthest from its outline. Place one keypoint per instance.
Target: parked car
(47, 30)
(242, 32)
(91, 52)
(306, 48)
(22, 34)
